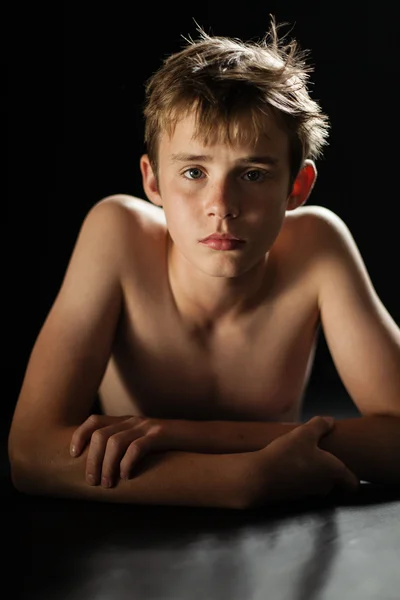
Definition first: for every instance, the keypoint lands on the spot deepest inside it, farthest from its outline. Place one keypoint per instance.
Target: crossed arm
(368, 445)
(210, 464)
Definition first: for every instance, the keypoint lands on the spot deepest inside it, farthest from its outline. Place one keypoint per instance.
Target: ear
(302, 186)
(149, 181)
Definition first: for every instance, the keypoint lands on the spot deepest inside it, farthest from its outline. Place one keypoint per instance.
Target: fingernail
(123, 475)
(73, 451)
(90, 479)
(105, 482)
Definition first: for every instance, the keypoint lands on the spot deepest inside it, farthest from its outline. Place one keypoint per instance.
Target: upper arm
(72, 349)
(362, 337)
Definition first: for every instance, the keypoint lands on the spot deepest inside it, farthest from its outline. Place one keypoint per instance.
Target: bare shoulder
(310, 237)
(328, 249)
(138, 230)
(135, 210)
(319, 228)
(321, 219)
(314, 215)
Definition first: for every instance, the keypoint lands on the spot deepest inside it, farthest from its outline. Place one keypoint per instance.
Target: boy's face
(241, 190)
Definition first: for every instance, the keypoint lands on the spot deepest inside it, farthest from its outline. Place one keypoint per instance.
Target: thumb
(321, 425)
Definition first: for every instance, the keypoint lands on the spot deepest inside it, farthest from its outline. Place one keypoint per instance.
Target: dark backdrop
(75, 131)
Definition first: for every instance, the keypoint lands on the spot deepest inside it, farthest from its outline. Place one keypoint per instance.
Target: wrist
(253, 479)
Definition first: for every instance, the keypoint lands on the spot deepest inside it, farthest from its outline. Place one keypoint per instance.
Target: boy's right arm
(164, 478)
(63, 375)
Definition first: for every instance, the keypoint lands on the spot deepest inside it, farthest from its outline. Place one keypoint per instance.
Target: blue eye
(194, 173)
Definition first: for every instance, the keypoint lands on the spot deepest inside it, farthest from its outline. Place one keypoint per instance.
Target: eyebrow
(260, 159)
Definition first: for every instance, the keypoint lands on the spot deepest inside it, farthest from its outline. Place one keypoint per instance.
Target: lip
(223, 243)
(222, 236)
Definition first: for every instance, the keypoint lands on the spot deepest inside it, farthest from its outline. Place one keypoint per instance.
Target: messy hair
(231, 86)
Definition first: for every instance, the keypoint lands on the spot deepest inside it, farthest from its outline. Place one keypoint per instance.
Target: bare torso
(255, 369)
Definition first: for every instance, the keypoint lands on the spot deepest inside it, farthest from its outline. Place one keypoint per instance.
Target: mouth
(222, 237)
(223, 243)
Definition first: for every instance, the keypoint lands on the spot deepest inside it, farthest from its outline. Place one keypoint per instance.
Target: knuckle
(98, 436)
(137, 420)
(133, 448)
(114, 442)
(93, 419)
(144, 427)
(155, 430)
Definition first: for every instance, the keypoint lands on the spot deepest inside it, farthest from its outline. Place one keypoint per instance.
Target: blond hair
(231, 85)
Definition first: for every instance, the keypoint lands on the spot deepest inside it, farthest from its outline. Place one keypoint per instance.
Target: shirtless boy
(200, 351)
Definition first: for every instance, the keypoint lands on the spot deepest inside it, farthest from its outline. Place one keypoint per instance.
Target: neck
(207, 302)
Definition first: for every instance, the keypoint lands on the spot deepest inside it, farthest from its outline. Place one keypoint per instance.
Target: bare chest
(257, 370)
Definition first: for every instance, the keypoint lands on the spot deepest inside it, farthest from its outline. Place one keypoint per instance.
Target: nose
(221, 201)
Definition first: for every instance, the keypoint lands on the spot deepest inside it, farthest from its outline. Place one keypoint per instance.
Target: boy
(194, 316)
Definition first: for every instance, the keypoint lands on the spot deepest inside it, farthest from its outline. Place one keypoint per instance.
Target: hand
(293, 466)
(116, 444)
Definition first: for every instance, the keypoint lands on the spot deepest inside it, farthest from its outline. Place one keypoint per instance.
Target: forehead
(187, 137)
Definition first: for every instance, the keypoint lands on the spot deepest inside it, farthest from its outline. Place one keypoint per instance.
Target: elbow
(26, 471)
(19, 472)
(20, 478)
(41, 465)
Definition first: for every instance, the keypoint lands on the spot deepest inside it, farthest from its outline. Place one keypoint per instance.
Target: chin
(225, 268)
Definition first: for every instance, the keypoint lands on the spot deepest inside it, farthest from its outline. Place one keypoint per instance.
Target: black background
(76, 90)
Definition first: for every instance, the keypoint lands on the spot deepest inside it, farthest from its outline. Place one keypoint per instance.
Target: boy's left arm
(368, 445)
(364, 343)
(362, 337)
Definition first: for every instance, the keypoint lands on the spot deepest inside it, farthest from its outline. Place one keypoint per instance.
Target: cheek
(179, 218)
(268, 221)
(181, 206)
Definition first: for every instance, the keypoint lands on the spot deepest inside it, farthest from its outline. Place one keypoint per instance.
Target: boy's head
(232, 87)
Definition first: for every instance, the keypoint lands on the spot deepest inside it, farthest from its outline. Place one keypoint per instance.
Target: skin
(221, 188)
(140, 293)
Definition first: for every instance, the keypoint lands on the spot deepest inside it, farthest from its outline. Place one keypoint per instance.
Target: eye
(256, 175)
(193, 173)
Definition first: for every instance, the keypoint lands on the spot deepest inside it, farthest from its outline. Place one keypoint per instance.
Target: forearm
(369, 446)
(220, 437)
(172, 478)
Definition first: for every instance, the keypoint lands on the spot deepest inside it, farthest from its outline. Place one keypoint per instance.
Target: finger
(343, 477)
(82, 435)
(320, 426)
(97, 449)
(115, 450)
(348, 480)
(135, 452)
